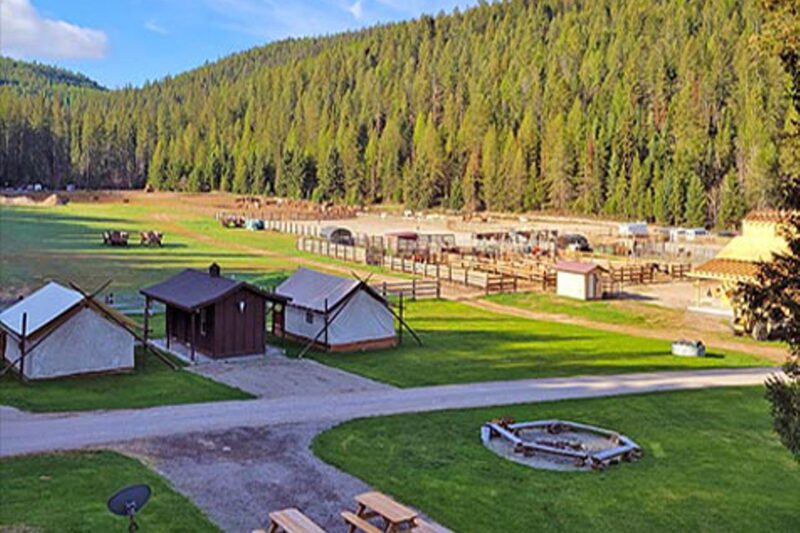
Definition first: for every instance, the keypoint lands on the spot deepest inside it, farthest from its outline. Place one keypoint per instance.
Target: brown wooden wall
(237, 333)
(233, 332)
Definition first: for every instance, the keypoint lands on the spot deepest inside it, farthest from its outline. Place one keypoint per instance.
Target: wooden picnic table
(396, 517)
(291, 521)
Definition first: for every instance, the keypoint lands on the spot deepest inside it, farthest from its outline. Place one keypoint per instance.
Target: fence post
(413, 289)
(438, 289)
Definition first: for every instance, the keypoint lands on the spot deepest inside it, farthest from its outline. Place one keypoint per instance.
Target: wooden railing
(414, 289)
(343, 252)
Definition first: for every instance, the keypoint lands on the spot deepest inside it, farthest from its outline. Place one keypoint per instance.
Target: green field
(464, 344)
(64, 243)
(153, 383)
(609, 312)
(68, 492)
(711, 463)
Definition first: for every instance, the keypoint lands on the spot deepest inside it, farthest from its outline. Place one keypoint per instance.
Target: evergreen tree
(696, 203)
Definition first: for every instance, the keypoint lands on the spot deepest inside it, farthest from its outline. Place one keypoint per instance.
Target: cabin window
(206, 321)
(309, 317)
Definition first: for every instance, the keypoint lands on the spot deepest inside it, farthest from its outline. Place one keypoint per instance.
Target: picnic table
(151, 238)
(396, 517)
(290, 521)
(115, 238)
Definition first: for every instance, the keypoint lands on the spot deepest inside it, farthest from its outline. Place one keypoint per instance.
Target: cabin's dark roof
(192, 289)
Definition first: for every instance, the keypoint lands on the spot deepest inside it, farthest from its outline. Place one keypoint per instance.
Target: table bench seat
(291, 521)
(358, 523)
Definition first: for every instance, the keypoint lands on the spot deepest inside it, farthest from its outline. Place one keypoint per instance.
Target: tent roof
(577, 267)
(309, 289)
(191, 289)
(42, 307)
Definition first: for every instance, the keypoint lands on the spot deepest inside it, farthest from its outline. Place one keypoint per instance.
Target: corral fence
(649, 273)
(343, 252)
(414, 289)
(491, 283)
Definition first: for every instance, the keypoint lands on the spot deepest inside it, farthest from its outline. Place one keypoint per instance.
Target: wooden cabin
(217, 316)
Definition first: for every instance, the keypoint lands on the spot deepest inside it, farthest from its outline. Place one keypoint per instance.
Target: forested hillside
(30, 78)
(637, 108)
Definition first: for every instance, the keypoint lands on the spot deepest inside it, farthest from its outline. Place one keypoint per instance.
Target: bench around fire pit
(622, 449)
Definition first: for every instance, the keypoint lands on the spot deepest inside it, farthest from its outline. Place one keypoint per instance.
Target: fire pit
(557, 444)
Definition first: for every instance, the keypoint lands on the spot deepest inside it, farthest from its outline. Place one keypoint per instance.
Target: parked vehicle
(574, 242)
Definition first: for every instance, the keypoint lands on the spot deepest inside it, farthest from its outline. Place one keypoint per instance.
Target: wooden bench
(290, 521)
(115, 238)
(358, 523)
(151, 238)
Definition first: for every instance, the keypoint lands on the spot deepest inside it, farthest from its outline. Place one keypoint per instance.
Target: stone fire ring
(558, 444)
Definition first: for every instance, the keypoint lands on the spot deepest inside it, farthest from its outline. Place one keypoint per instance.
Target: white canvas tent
(58, 332)
(339, 314)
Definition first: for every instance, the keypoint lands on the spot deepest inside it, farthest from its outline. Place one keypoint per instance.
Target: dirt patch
(238, 477)
(26, 200)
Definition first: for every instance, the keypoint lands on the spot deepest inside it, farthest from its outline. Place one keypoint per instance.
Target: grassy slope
(711, 463)
(609, 312)
(68, 492)
(464, 344)
(152, 384)
(65, 243)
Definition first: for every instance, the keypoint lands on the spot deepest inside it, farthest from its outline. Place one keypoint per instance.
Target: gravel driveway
(238, 476)
(276, 376)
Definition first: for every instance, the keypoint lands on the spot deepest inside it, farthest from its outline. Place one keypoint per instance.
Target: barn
(336, 314)
(583, 281)
(208, 313)
(58, 332)
(716, 280)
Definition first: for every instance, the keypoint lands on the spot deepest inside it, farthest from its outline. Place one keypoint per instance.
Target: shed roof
(726, 270)
(192, 289)
(577, 267)
(310, 289)
(42, 307)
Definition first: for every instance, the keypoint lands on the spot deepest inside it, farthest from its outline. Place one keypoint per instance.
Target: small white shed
(582, 281)
(58, 332)
(338, 314)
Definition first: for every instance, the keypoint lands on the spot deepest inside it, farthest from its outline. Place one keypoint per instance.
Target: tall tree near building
(777, 284)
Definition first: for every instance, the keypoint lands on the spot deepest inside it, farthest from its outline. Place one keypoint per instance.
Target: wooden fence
(489, 282)
(414, 289)
(354, 254)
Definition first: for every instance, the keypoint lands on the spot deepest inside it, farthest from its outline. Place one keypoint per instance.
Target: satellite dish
(128, 501)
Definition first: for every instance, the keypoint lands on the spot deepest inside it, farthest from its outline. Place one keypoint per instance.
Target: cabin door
(278, 319)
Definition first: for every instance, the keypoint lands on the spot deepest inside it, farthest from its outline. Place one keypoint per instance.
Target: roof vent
(214, 270)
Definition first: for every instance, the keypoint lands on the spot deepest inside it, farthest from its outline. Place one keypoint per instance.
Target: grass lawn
(610, 312)
(711, 463)
(464, 344)
(68, 492)
(153, 383)
(37, 244)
